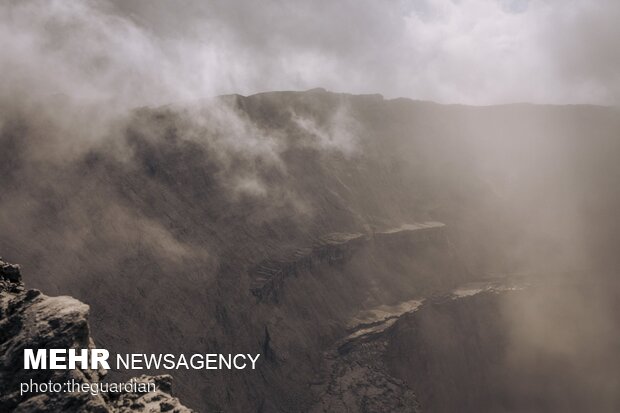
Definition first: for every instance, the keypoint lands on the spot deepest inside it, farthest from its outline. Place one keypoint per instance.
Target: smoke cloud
(130, 53)
(120, 168)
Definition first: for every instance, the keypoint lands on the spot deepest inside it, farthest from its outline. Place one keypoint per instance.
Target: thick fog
(470, 51)
(120, 168)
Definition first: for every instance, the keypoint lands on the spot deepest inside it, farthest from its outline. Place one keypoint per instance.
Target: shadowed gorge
(324, 230)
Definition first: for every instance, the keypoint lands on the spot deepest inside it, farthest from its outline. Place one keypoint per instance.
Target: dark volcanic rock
(173, 225)
(269, 276)
(450, 352)
(482, 350)
(422, 355)
(30, 319)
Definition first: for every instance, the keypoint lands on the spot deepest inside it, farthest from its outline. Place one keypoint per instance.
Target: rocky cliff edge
(30, 319)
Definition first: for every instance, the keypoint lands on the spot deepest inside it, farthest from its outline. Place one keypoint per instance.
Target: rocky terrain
(366, 367)
(30, 319)
(331, 250)
(286, 222)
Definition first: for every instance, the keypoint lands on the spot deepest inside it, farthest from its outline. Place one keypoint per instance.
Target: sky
(147, 52)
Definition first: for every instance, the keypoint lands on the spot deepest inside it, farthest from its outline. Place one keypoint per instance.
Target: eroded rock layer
(30, 319)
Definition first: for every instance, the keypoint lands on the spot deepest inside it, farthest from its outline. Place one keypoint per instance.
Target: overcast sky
(464, 51)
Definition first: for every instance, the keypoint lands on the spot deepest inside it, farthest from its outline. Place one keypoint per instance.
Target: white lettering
(122, 361)
(135, 361)
(38, 362)
(57, 359)
(253, 360)
(239, 367)
(99, 356)
(211, 359)
(82, 358)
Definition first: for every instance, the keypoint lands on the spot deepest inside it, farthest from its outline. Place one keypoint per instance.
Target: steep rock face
(373, 369)
(30, 319)
(269, 276)
(449, 351)
(317, 300)
(208, 193)
(336, 249)
(509, 350)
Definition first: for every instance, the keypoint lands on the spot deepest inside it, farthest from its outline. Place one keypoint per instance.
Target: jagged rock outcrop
(30, 319)
(451, 352)
(317, 297)
(517, 346)
(359, 381)
(269, 276)
(157, 401)
(393, 356)
(175, 204)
